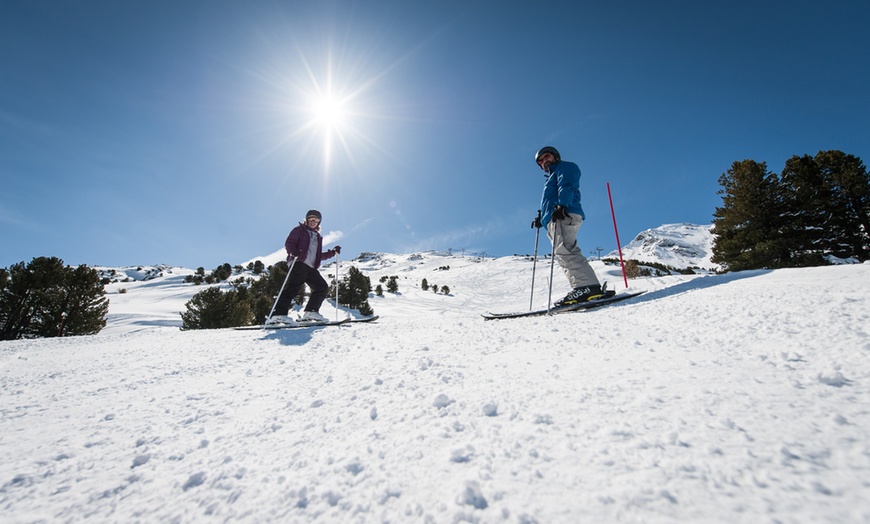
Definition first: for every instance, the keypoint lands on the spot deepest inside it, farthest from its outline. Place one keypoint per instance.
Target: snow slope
(726, 398)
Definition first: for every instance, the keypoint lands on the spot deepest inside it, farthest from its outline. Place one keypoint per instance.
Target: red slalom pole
(615, 230)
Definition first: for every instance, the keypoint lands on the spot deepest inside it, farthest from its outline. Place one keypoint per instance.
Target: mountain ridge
(681, 245)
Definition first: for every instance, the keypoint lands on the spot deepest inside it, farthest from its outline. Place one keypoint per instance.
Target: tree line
(816, 210)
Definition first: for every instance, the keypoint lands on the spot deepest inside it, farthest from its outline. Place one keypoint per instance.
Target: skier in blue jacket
(562, 215)
(304, 245)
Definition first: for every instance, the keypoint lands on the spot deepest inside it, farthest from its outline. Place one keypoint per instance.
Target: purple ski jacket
(297, 244)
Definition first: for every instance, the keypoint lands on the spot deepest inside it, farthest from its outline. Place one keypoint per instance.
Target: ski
(364, 319)
(305, 324)
(296, 325)
(582, 306)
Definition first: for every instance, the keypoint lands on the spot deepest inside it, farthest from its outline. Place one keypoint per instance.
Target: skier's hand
(337, 249)
(560, 213)
(536, 223)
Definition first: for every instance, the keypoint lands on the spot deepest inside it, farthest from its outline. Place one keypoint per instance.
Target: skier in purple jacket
(304, 245)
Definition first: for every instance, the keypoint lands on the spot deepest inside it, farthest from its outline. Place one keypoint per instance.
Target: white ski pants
(563, 235)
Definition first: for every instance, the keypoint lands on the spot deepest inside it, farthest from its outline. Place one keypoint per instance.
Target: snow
(742, 397)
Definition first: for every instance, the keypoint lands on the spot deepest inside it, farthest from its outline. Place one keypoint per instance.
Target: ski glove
(536, 223)
(337, 249)
(560, 213)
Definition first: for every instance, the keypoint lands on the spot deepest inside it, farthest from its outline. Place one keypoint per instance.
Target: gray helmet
(548, 149)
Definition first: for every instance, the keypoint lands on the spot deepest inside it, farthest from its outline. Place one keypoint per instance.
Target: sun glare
(330, 116)
(332, 113)
(333, 104)
(329, 112)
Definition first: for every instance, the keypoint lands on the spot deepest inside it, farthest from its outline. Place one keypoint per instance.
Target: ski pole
(552, 264)
(615, 230)
(275, 304)
(535, 259)
(337, 269)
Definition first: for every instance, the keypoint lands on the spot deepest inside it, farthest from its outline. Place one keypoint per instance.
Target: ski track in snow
(734, 398)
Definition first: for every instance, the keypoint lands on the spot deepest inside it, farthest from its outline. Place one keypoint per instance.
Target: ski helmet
(548, 149)
(314, 213)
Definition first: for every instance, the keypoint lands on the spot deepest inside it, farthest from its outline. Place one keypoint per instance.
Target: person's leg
(319, 288)
(294, 283)
(568, 253)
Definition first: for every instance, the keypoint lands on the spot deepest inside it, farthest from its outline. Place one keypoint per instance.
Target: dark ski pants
(302, 274)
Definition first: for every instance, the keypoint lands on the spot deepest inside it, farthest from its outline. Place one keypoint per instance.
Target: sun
(331, 104)
(329, 112)
(330, 115)
(332, 112)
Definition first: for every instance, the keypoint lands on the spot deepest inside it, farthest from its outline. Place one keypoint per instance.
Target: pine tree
(270, 284)
(748, 226)
(827, 201)
(212, 308)
(805, 199)
(47, 299)
(83, 302)
(222, 272)
(354, 291)
(263, 292)
(849, 185)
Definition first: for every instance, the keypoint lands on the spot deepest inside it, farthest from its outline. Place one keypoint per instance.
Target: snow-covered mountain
(675, 245)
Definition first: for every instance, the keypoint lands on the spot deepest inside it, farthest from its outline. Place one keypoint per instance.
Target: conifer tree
(83, 303)
(847, 178)
(212, 308)
(354, 291)
(805, 197)
(748, 224)
(222, 272)
(827, 200)
(47, 299)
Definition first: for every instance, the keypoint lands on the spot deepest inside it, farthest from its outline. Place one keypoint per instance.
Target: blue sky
(189, 132)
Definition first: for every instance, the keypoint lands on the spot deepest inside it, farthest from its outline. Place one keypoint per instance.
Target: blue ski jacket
(562, 188)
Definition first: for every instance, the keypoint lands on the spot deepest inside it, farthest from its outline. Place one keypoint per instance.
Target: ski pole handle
(536, 223)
